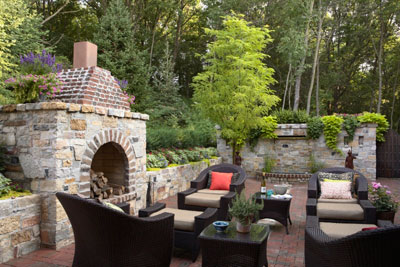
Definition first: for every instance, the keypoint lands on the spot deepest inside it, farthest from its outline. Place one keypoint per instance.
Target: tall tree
(233, 90)
(118, 53)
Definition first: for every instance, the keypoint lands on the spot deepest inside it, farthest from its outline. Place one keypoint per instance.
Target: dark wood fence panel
(388, 156)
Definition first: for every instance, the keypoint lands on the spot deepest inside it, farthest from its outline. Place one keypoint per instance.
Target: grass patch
(14, 194)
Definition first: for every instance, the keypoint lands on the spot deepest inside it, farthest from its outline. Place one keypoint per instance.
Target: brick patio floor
(282, 249)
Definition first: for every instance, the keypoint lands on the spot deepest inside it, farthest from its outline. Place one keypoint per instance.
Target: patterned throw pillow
(323, 176)
(235, 177)
(335, 190)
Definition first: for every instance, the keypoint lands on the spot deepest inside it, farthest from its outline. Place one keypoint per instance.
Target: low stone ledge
(71, 107)
(19, 226)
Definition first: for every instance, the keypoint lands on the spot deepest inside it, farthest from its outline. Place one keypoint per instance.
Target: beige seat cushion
(215, 192)
(330, 200)
(183, 220)
(203, 200)
(339, 230)
(340, 211)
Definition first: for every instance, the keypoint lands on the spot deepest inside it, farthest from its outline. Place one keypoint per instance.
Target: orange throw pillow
(220, 180)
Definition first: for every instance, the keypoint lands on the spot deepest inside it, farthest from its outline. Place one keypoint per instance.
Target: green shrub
(315, 127)
(269, 164)
(5, 185)
(161, 137)
(315, 165)
(383, 124)
(269, 127)
(156, 160)
(290, 116)
(350, 124)
(212, 152)
(332, 127)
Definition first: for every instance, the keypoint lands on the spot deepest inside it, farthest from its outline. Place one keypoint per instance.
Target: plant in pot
(244, 211)
(382, 198)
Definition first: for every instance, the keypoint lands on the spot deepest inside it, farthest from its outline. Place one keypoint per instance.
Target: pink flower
(388, 192)
(376, 185)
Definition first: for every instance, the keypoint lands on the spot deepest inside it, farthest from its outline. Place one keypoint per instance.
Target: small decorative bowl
(280, 189)
(220, 226)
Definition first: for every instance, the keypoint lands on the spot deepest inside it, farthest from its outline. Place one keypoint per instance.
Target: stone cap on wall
(70, 107)
(300, 129)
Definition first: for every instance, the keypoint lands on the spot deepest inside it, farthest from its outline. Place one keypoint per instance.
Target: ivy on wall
(332, 127)
(383, 124)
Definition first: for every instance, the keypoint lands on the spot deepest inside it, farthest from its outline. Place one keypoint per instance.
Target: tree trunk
(300, 69)
(286, 86)
(378, 109)
(316, 53)
(178, 32)
(317, 89)
(394, 96)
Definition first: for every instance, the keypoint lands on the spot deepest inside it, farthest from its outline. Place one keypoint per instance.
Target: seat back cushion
(235, 178)
(336, 190)
(220, 180)
(215, 192)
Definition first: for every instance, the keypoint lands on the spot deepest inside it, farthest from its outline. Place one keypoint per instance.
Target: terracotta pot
(243, 228)
(385, 215)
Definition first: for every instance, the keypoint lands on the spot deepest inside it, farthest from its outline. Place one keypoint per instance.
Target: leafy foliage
(350, 124)
(290, 116)
(315, 127)
(5, 185)
(233, 90)
(269, 164)
(245, 210)
(315, 165)
(332, 127)
(381, 197)
(269, 127)
(383, 124)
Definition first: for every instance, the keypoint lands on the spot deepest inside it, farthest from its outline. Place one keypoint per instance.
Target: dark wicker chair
(186, 239)
(373, 248)
(106, 237)
(360, 187)
(201, 183)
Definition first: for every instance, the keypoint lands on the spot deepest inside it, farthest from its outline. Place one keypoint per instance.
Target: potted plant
(244, 211)
(382, 198)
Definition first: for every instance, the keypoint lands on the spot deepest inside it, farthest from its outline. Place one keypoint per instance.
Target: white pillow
(336, 190)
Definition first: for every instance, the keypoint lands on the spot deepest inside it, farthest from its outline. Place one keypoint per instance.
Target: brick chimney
(85, 55)
(88, 84)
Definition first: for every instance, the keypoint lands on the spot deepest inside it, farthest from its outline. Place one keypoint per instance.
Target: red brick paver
(282, 249)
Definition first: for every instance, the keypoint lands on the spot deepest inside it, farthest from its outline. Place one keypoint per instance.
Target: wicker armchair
(360, 188)
(105, 237)
(372, 248)
(199, 185)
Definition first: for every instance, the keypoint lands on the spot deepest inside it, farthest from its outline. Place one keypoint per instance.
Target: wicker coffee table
(231, 248)
(277, 209)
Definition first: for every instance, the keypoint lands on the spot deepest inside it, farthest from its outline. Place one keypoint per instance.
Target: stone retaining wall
(292, 151)
(168, 182)
(19, 226)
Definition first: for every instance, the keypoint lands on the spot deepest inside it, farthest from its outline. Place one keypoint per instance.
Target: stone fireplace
(52, 146)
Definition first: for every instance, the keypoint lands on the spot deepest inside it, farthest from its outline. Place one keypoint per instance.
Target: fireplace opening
(109, 171)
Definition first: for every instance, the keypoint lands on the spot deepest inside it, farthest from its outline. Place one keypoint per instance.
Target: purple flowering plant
(38, 79)
(382, 198)
(123, 84)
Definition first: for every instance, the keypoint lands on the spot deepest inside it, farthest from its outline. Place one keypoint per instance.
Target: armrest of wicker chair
(361, 187)
(369, 211)
(200, 182)
(311, 207)
(312, 221)
(150, 210)
(312, 191)
(224, 205)
(203, 220)
(238, 186)
(182, 195)
(384, 223)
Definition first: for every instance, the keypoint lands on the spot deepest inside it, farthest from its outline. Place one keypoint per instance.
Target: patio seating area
(282, 249)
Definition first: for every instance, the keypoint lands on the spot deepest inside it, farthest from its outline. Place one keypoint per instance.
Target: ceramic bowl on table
(280, 189)
(220, 226)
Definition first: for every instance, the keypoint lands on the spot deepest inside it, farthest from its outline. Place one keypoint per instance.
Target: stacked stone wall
(168, 182)
(19, 226)
(292, 151)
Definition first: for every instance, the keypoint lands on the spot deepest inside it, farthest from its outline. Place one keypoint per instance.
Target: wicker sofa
(372, 248)
(199, 198)
(106, 237)
(358, 209)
